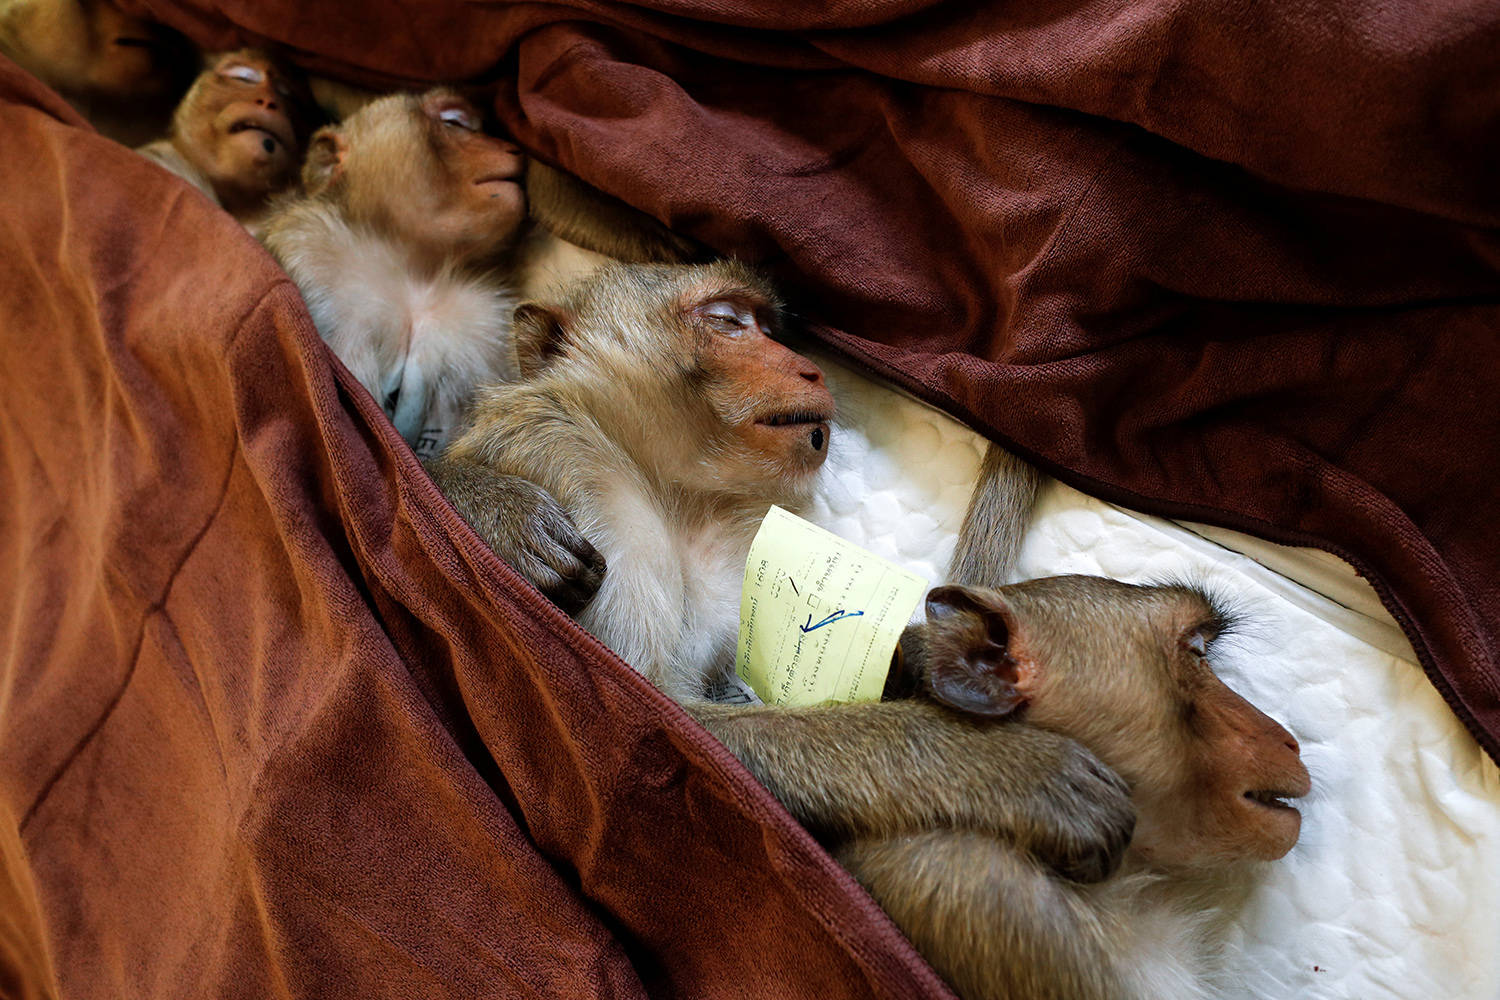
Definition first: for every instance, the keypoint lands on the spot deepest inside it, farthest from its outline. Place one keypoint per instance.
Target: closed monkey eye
(730, 317)
(242, 73)
(459, 118)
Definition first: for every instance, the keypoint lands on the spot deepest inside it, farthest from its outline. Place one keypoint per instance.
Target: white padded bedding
(1394, 889)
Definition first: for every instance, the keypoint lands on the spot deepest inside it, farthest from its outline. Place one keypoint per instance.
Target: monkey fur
(238, 134)
(657, 410)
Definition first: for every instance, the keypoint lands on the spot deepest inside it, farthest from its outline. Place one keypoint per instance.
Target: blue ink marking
(829, 620)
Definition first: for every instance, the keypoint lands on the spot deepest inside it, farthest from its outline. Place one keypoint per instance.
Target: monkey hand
(544, 545)
(527, 528)
(1078, 818)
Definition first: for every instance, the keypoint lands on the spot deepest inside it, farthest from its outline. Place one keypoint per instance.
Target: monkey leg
(526, 527)
(992, 922)
(881, 768)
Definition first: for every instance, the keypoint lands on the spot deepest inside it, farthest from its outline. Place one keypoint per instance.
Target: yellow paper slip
(819, 616)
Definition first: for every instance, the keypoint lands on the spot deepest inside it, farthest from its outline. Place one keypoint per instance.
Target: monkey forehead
(1158, 612)
(731, 279)
(439, 98)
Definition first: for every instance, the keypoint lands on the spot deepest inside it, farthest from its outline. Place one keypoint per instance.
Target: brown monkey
(657, 409)
(1124, 670)
(238, 134)
(402, 245)
(122, 72)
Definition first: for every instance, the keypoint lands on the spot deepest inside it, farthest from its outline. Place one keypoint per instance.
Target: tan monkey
(121, 72)
(403, 246)
(658, 410)
(1124, 670)
(238, 134)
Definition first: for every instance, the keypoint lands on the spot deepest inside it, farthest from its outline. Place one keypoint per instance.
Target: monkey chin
(801, 446)
(1275, 825)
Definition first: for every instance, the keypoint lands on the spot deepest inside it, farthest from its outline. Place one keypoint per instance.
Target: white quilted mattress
(1394, 889)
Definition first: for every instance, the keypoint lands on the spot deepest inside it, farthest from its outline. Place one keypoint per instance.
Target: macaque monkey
(1125, 671)
(656, 408)
(238, 134)
(121, 72)
(401, 244)
(403, 247)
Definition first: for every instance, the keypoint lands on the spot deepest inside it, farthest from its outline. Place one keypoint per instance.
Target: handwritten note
(819, 616)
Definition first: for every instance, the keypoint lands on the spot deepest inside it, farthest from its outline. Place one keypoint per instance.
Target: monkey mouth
(135, 43)
(1273, 798)
(794, 418)
(812, 423)
(274, 130)
(493, 184)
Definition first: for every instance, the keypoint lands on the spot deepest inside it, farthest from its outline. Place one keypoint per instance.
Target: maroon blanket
(273, 722)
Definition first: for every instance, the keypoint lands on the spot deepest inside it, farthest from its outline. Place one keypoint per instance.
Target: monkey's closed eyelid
(243, 73)
(729, 313)
(458, 117)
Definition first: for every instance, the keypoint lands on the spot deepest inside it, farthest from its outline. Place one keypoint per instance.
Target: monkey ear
(975, 668)
(325, 160)
(539, 333)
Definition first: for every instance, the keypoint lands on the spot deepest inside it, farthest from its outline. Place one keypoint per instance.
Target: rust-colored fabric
(273, 723)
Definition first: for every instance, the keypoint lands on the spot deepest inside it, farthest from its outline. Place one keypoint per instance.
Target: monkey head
(690, 381)
(89, 48)
(242, 124)
(420, 169)
(1125, 670)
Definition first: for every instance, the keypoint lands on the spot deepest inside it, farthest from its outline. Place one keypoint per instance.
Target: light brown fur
(640, 414)
(121, 72)
(1124, 670)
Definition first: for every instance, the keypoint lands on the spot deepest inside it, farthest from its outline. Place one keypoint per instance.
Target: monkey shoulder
(165, 155)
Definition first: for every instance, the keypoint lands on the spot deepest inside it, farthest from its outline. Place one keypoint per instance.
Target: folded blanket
(273, 721)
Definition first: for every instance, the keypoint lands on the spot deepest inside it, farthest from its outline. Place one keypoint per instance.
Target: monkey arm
(988, 918)
(885, 768)
(525, 526)
(587, 217)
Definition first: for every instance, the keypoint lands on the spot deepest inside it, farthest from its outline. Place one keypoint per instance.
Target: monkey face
(130, 56)
(772, 403)
(237, 126)
(89, 47)
(1125, 670)
(420, 169)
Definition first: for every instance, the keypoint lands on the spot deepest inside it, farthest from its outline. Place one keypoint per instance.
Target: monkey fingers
(555, 557)
(526, 527)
